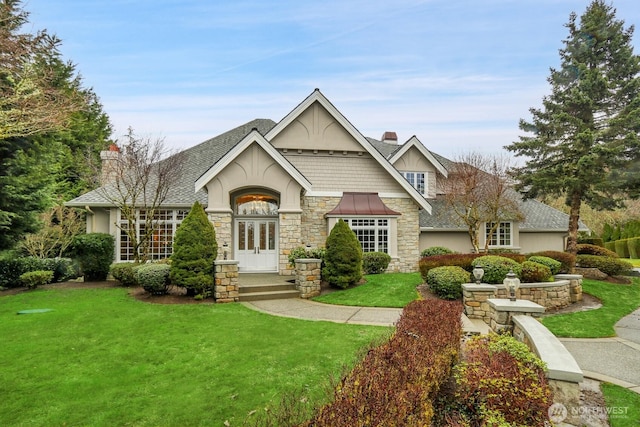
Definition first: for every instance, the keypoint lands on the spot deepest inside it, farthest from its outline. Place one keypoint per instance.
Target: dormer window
(418, 180)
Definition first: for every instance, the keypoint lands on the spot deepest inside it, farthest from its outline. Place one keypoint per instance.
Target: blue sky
(458, 74)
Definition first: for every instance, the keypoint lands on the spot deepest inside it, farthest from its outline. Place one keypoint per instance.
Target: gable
(315, 129)
(413, 161)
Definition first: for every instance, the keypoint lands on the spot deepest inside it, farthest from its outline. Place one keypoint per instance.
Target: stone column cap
(520, 305)
(481, 287)
(568, 276)
(226, 262)
(307, 260)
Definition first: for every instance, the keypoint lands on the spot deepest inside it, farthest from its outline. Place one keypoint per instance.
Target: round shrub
(124, 272)
(33, 279)
(375, 262)
(446, 282)
(94, 252)
(608, 265)
(591, 240)
(154, 278)
(194, 253)
(496, 268)
(566, 259)
(303, 252)
(343, 263)
(533, 272)
(587, 249)
(553, 265)
(460, 260)
(436, 250)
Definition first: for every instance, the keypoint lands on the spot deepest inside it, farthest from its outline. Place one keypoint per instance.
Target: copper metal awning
(361, 204)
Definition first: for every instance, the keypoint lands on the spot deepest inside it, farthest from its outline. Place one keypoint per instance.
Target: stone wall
(226, 288)
(408, 238)
(223, 225)
(308, 271)
(290, 238)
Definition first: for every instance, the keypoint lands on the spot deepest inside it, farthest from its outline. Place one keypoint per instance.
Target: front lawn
(623, 405)
(617, 302)
(380, 290)
(103, 358)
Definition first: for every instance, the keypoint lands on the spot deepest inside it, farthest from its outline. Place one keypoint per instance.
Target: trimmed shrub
(343, 263)
(396, 383)
(622, 249)
(553, 265)
(446, 282)
(63, 268)
(12, 266)
(302, 252)
(154, 278)
(634, 247)
(124, 272)
(608, 265)
(533, 272)
(436, 250)
(591, 240)
(584, 249)
(94, 252)
(194, 253)
(566, 259)
(375, 262)
(33, 279)
(501, 376)
(496, 268)
(458, 260)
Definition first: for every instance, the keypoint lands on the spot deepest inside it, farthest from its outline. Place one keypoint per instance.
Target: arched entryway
(255, 226)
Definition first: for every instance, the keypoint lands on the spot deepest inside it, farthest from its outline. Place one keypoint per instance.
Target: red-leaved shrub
(395, 383)
(565, 258)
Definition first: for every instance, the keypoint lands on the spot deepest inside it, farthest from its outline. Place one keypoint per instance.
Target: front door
(256, 245)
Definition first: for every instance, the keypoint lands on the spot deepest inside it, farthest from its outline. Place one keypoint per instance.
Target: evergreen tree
(584, 140)
(194, 252)
(343, 261)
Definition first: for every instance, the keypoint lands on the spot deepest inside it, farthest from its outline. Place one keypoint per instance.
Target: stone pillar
(503, 310)
(226, 281)
(475, 297)
(308, 272)
(223, 224)
(290, 238)
(575, 285)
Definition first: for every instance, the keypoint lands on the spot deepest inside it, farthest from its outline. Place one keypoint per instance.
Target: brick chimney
(109, 168)
(390, 138)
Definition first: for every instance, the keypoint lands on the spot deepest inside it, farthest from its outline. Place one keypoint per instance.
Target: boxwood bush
(553, 265)
(496, 267)
(533, 272)
(33, 279)
(375, 262)
(446, 282)
(459, 260)
(302, 252)
(608, 265)
(566, 259)
(124, 272)
(94, 252)
(154, 278)
(436, 250)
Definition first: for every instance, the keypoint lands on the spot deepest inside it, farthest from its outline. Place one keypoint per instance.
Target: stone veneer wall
(314, 228)
(290, 237)
(308, 272)
(223, 225)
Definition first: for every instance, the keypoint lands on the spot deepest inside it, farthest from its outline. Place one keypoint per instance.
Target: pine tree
(584, 140)
(343, 261)
(194, 252)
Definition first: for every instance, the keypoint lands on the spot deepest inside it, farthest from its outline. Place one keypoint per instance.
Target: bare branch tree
(60, 226)
(477, 192)
(138, 179)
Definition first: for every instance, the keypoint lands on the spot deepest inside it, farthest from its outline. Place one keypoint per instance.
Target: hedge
(553, 265)
(397, 382)
(634, 247)
(154, 278)
(94, 252)
(12, 266)
(565, 258)
(610, 245)
(586, 249)
(534, 272)
(622, 248)
(124, 272)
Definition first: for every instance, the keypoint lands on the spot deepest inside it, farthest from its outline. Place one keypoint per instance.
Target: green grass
(622, 405)
(380, 290)
(103, 358)
(617, 302)
(635, 262)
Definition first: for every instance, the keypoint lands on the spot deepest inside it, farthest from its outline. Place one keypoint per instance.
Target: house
(270, 187)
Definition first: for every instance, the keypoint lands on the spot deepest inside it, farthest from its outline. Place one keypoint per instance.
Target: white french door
(256, 244)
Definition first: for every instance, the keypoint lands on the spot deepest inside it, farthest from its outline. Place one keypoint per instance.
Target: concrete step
(270, 295)
(284, 286)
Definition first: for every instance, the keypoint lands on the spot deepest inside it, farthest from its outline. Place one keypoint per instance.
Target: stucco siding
(544, 241)
(315, 129)
(455, 240)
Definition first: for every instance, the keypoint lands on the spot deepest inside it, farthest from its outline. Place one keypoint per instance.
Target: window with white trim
(502, 235)
(166, 222)
(372, 233)
(418, 180)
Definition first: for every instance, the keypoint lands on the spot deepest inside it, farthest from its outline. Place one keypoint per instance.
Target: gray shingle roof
(198, 159)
